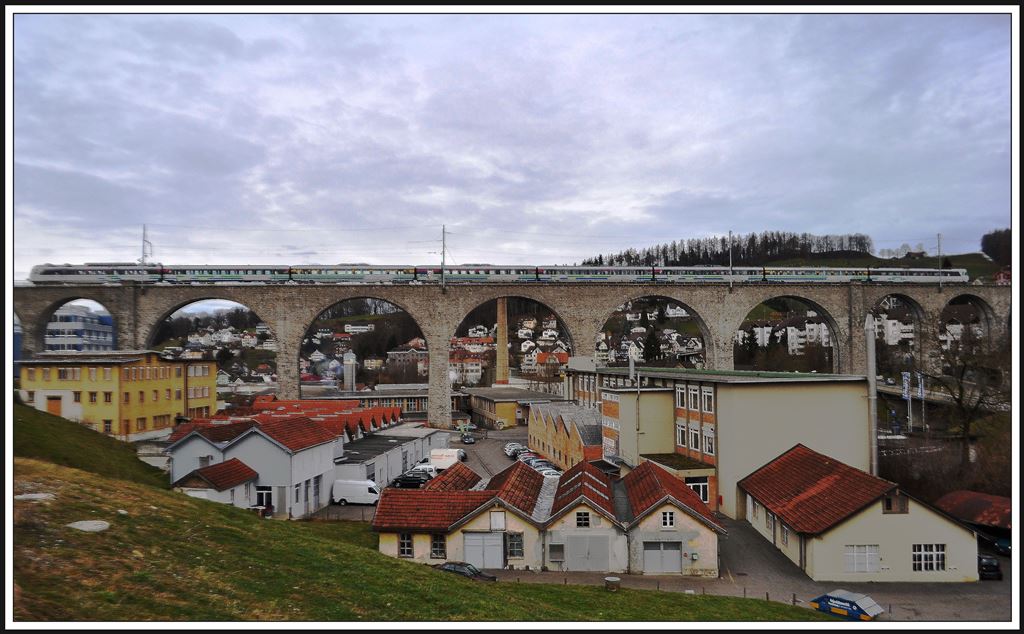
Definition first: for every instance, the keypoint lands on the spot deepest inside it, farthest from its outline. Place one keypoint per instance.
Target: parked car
(544, 464)
(999, 546)
(413, 480)
(467, 439)
(517, 451)
(551, 473)
(463, 455)
(428, 469)
(466, 570)
(523, 456)
(511, 447)
(988, 568)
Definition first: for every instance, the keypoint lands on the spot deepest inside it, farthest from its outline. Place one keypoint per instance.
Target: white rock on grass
(90, 526)
(35, 496)
(122, 512)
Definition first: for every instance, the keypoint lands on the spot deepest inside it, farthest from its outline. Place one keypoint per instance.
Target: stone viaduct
(289, 310)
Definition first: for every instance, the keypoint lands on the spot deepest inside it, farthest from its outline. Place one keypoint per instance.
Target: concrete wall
(656, 430)
(757, 423)
(695, 536)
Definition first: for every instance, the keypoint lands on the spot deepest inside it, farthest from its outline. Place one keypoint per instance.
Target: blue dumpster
(849, 605)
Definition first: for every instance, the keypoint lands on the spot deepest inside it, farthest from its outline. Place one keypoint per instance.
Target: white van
(358, 491)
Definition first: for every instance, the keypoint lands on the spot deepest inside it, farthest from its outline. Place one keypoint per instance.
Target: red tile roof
(518, 486)
(224, 475)
(649, 485)
(424, 510)
(977, 508)
(812, 492)
(587, 481)
(458, 477)
(215, 432)
(297, 433)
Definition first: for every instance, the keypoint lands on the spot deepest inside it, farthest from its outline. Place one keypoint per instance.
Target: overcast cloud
(535, 139)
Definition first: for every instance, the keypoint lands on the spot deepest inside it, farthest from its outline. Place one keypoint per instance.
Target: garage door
(662, 557)
(586, 552)
(484, 550)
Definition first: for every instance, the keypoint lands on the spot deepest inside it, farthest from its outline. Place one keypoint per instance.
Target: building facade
(128, 394)
(729, 422)
(77, 328)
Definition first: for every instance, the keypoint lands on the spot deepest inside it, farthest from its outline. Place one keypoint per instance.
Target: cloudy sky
(535, 139)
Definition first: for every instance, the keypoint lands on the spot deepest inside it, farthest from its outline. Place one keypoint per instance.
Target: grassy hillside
(58, 440)
(170, 557)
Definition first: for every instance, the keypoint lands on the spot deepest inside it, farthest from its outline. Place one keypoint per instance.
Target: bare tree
(975, 375)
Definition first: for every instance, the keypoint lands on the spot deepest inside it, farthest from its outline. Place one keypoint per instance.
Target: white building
(293, 457)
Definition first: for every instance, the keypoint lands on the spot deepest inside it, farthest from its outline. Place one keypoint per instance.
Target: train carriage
(120, 273)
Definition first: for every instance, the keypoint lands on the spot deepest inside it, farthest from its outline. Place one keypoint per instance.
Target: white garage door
(586, 552)
(484, 550)
(663, 557)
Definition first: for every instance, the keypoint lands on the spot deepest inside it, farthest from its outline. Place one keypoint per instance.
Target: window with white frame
(699, 484)
(680, 436)
(753, 508)
(695, 437)
(668, 519)
(106, 374)
(709, 440)
(769, 520)
(263, 495)
(583, 519)
(405, 545)
(928, 557)
(556, 552)
(785, 535)
(708, 395)
(861, 558)
(681, 398)
(694, 398)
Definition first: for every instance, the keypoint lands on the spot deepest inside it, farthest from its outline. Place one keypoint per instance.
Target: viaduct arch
(288, 310)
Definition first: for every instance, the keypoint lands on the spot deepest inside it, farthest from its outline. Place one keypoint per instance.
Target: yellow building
(129, 394)
(503, 407)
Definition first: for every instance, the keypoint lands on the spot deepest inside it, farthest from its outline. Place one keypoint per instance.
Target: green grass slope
(54, 439)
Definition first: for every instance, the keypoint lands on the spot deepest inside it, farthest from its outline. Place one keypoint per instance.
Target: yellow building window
(92, 397)
(106, 374)
(142, 396)
(108, 397)
(77, 396)
(31, 374)
(92, 374)
(127, 397)
(140, 423)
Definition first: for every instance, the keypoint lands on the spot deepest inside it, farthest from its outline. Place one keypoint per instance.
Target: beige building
(503, 407)
(646, 523)
(731, 422)
(838, 523)
(564, 433)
